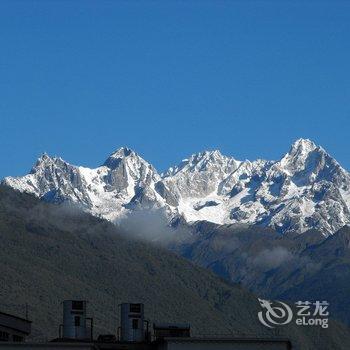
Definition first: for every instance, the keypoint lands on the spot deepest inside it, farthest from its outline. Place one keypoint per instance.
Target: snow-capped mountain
(124, 182)
(305, 189)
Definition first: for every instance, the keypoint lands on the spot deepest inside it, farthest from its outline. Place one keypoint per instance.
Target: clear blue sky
(169, 78)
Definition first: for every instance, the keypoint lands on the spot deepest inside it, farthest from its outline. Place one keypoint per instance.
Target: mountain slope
(51, 253)
(306, 189)
(290, 267)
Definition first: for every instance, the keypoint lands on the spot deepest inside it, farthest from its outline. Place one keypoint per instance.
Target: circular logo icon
(275, 313)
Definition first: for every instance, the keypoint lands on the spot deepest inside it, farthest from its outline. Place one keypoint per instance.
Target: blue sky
(81, 78)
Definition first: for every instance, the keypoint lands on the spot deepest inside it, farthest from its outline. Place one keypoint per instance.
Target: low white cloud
(272, 258)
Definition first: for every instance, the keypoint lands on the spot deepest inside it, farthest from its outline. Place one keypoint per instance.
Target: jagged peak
(200, 161)
(44, 157)
(305, 144)
(206, 155)
(309, 160)
(300, 151)
(117, 156)
(45, 160)
(123, 152)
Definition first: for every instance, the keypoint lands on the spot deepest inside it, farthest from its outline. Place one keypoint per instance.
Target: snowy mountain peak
(204, 161)
(207, 157)
(118, 155)
(43, 157)
(304, 155)
(126, 159)
(301, 149)
(122, 152)
(45, 161)
(305, 189)
(303, 145)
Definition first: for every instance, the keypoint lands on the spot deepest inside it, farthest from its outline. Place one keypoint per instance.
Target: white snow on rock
(305, 189)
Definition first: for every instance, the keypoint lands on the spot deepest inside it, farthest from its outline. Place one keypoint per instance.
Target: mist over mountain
(306, 189)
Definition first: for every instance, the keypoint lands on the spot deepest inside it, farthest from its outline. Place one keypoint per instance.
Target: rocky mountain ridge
(306, 189)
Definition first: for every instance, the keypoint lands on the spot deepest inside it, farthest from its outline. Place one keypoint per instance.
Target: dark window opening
(4, 336)
(135, 308)
(77, 321)
(77, 305)
(135, 323)
(17, 338)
